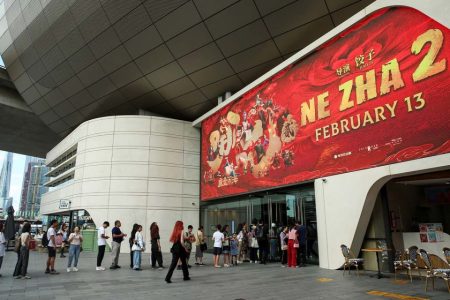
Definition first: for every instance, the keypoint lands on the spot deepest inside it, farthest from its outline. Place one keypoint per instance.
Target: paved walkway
(247, 281)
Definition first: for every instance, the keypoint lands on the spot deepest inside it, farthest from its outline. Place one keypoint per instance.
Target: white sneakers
(74, 269)
(100, 269)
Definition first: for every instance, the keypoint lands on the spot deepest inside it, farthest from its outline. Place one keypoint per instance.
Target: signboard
(431, 232)
(64, 204)
(376, 94)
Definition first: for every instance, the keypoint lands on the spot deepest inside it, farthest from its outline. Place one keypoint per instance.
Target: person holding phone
(75, 239)
(101, 242)
(117, 236)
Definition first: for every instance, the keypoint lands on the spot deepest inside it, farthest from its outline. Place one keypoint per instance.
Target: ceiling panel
(177, 88)
(265, 7)
(200, 58)
(188, 100)
(115, 59)
(231, 18)
(212, 73)
(243, 38)
(294, 15)
(165, 75)
(154, 59)
(208, 7)
(137, 88)
(143, 42)
(190, 40)
(304, 35)
(178, 21)
(254, 56)
(229, 84)
(125, 75)
(133, 23)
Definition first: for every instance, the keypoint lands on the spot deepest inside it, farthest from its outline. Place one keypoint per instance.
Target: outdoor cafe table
(377, 252)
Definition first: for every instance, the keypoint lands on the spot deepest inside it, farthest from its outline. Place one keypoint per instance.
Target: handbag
(175, 248)
(203, 247)
(17, 244)
(284, 247)
(254, 243)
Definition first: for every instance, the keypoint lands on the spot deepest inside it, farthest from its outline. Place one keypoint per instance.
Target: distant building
(33, 188)
(25, 184)
(5, 182)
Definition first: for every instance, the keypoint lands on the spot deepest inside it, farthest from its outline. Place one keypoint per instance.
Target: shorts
(226, 249)
(217, 251)
(51, 251)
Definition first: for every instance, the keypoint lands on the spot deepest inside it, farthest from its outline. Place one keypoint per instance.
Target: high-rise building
(29, 160)
(36, 188)
(5, 182)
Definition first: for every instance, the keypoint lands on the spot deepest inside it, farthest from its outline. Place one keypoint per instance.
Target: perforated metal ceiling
(73, 60)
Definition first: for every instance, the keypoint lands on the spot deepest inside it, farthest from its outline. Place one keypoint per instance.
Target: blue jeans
(74, 252)
(137, 259)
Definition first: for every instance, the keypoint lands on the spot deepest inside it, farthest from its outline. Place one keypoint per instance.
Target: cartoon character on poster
(252, 140)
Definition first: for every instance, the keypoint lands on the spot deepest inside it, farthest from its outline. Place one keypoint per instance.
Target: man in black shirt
(117, 236)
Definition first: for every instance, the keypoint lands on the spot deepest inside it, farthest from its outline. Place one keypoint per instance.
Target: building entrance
(276, 208)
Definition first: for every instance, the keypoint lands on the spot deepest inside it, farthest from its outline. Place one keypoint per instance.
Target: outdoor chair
(446, 254)
(411, 263)
(432, 271)
(399, 262)
(350, 260)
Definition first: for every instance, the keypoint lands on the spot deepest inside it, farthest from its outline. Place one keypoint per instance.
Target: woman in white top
(22, 263)
(138, 248)
(75, 240)
(2, 245)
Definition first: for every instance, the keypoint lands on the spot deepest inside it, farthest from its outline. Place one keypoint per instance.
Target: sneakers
(160, 268)
(100, 269)
(47, 271)
(74, 269)
(53, 272)
(26, 277)
(18, 277)
(68, 270)
(179, 268)
(226, 265)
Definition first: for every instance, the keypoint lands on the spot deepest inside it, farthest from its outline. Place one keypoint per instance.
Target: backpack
(45, 239)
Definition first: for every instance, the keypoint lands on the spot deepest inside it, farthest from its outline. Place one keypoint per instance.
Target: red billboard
(377, 94)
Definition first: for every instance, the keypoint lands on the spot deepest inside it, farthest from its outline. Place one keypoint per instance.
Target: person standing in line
(301, 251)
(22, 263)
(2, 246)
(284, 246)
(200, 245)
(226, 247)
(292, 250)
(131, 242)
(63, 233)
(189, 238)
(138, 248)
(75, 240)
(253, 244)
(51, 247)
(101, 242)
(156, 246)
(234, 249)
(117, 236)
(178, 252)
(218, 239)
(243, 236)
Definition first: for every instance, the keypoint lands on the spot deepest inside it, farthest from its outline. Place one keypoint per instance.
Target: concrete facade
(136, 169)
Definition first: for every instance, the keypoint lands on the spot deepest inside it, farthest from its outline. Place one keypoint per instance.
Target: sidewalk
(247, 281)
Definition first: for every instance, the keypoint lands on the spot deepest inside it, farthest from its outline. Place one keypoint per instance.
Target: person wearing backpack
(44, 241)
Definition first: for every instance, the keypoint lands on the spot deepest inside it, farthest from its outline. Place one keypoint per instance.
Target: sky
(18, 168)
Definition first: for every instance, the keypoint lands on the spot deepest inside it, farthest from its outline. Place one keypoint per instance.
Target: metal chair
(434, 272)
(446, 254)
(411, 262)
(399, 262)
(350, 260)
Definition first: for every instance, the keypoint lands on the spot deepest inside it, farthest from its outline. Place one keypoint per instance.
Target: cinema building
(350, 136)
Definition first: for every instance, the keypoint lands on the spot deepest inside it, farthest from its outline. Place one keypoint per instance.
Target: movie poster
(377, 94)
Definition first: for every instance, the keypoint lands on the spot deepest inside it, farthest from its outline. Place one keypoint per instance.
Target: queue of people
(257, 243)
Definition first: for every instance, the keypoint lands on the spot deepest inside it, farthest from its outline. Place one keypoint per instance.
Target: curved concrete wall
(345, 202)
(137, 169)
